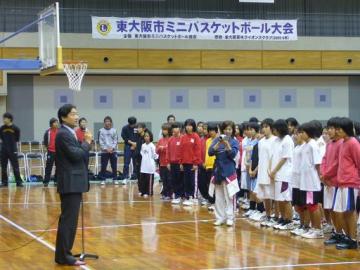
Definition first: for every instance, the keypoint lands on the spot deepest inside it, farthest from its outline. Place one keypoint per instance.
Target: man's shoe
(79, 263)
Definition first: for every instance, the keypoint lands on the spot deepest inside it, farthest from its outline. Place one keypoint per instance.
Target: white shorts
(283, 192)
(345, 199)
(329, 193)
(264, 192)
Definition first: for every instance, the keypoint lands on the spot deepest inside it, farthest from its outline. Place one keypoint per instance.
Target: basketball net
(75, 72)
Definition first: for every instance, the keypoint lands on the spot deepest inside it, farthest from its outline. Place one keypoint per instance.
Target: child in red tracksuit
(190, 145)
(173, 157)
(161, 150)
(348, 184)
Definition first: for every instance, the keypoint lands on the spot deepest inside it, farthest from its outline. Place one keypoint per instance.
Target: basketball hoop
(75, 71)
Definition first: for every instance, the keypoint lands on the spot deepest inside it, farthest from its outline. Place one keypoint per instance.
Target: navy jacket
(225, 165)
(128, 133)
(71, 163)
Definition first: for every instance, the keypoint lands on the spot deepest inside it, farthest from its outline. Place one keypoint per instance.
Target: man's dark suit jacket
(71, 163)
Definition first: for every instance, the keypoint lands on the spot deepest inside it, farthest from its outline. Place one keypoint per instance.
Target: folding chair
(22, 166)
(120, 159)
(36, 147)
(25, 147)
(97, 147)
(31, 158)
(93, 162)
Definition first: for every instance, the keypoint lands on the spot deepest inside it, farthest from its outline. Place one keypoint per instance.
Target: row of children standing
(317, 174)
(193, 161)
(277, 163)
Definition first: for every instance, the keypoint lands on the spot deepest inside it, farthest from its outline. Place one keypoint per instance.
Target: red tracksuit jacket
(173, 153)
(190, 145)
(162, 151)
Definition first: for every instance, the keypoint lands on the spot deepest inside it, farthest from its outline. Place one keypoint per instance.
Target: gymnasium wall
(83, 40)
(354, 97)
(152, 98)
(20, 102)
(315, 18)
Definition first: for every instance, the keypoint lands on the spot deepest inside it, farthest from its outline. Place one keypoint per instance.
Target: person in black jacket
(128, 134)
(72, 178)
(10, 136)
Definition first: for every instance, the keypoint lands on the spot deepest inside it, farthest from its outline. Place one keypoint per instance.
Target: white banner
(193, 29)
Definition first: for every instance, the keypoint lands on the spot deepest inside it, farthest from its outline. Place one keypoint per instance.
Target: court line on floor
(284, 266)
(89, 202)
(36, 238)
(137, 224)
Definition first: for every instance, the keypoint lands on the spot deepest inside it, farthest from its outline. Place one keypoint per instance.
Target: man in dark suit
(72, 178)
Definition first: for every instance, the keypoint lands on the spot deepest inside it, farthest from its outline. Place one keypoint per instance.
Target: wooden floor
(129, 232)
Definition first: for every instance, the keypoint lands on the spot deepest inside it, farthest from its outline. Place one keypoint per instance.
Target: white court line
(39, 239)
(284, 266)
(136, 224)
(89, 202)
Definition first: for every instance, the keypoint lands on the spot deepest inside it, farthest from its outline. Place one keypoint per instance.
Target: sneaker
(245, 206)
(176, 201)
(287, 227)
(211, 208)
(327, 228)
(279, 223)
(302, 230)
(102, 183)
(313, 234)
(204, 202)
(254, 214)
(195, 201)
(140, 194)
(264, 223)
(116, 182)
(218, 223)
(248, 213)
(260, 217)
(145, 196)
(123, 182)
(297, 222)
(335, 238)
(19, 184)
(296, 229)
(188, 202)
(229, 222)
(347, 243)
(271, 223)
